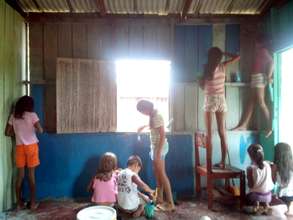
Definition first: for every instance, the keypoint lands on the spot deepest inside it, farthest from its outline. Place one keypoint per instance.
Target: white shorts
(215, 103)
(258, 80)
(165, 150)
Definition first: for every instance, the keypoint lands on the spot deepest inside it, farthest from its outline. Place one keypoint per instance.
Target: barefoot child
(213, 84)
(104, 184)
(260, 183)
(130, 200)
(284, 175)
(261, 76)
(159, 149)
(23, 124)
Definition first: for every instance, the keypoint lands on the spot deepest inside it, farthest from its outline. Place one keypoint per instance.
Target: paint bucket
(149, 210)
(97, 213)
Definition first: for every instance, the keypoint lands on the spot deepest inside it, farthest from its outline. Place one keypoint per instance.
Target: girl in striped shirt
(213, 84)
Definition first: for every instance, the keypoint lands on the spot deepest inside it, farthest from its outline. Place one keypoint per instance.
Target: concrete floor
(191, 210)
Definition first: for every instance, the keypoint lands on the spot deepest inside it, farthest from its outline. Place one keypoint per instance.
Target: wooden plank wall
(232, 38)
(104, 39)
(12, 44)
(101, 40)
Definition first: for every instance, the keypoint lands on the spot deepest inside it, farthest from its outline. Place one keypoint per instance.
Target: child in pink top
(261, 76)
(104, 184)
(213, 84)
(23, 124)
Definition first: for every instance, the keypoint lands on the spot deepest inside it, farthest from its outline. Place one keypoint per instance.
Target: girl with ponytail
(260, 183)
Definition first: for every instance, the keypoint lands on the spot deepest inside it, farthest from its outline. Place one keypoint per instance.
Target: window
(141, 79)
(286, 107)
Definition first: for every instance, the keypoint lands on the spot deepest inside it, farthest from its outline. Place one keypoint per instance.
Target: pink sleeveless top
(216, 86)
(261, 60)
(105, 191)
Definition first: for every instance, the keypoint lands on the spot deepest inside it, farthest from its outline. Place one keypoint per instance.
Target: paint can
(97, 213)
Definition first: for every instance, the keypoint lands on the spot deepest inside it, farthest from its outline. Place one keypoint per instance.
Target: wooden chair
(213, 173)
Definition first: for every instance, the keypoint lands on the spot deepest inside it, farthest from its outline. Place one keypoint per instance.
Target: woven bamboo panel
(86, 96)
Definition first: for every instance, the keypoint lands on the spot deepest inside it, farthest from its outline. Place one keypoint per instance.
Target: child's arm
(9, 132)
(274, 172)
(234, 58)
(140, 129)
(141, 184)
(38, 127)
(249, 177)
(90, 186)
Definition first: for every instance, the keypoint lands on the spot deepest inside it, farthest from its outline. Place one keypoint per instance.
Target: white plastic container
(97, 213)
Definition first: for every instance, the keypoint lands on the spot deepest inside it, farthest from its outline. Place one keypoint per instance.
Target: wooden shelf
(236, 84)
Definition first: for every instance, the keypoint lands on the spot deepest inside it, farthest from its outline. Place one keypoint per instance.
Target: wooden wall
(188, 98)
(99, 39)
(12, 65)
(149, 38)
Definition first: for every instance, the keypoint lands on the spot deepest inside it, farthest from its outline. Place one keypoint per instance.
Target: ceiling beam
(185, 9)
(69, 6)
(15, 6)
(94, 17)
(101, 7)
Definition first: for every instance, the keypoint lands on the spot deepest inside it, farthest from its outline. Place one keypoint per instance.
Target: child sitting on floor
(104, 184)
(260, 183)
(130, 200)
(284, 174)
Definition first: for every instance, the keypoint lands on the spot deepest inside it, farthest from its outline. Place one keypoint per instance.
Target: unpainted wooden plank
(79, 39)
(36, 51)
(178, 100)
(219, 36)
(136, 31)
(65, 40)
(93, 40)
(121, 39)
(50, 50)
(190, 107)
(200, 111)
(233, 114)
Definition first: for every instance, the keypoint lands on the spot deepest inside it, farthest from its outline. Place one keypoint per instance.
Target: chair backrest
(200, 142)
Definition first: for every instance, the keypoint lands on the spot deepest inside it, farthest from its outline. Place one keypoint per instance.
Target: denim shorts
(164, 151)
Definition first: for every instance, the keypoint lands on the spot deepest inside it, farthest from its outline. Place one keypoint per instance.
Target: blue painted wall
(68, 161)
(190, 51)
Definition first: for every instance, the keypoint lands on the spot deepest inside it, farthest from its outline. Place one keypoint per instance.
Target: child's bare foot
(34, 206)
(20, 206)
(220, 165)
(138, 212)
(167, 207)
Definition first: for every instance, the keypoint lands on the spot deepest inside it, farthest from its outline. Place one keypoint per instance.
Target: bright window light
(141, 79)
(286, 108)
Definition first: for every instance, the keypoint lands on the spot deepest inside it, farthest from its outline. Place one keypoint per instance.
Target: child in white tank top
(260, 183)
(130, 200)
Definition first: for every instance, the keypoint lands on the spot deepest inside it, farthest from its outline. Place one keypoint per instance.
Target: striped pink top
(216, 86)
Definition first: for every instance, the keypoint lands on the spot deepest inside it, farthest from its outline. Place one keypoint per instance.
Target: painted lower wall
(68, 161)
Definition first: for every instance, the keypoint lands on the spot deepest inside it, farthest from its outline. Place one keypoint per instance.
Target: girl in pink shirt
(23, 124)
(261, 76)
(104, 184)
(213, 84)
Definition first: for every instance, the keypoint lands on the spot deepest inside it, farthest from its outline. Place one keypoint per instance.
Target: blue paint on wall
(233, 38)
(191, 46)
(68, 161)
(245, 141)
